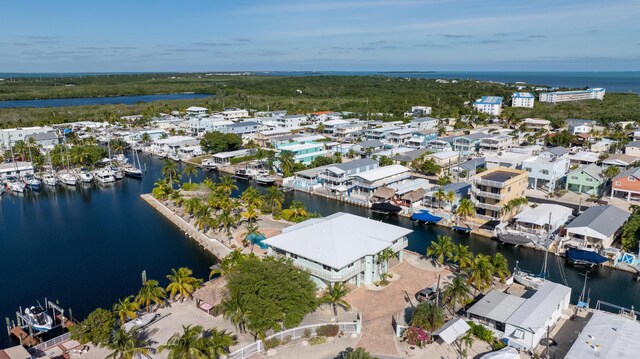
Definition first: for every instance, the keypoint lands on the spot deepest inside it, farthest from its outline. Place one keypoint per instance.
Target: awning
(452, 330)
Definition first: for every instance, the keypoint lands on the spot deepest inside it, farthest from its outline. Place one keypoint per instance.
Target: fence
(49, 344)
(295, 333)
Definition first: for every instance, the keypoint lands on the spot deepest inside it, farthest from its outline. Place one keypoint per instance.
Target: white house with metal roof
(367, 182)
(340, 248)
(598, 225)
(607, 336)
(548, 169)
(537, 220)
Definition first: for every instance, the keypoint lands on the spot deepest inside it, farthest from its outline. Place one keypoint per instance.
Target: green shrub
(498, 344)
(286, 340)
(307, 333)
(272, 343)
(317, 340)
(328, 330)
(481, 332)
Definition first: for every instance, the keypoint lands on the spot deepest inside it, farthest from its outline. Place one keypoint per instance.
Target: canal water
(83, 101)
(87, 247)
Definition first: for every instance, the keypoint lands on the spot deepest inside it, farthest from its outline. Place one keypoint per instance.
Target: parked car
(426, 294)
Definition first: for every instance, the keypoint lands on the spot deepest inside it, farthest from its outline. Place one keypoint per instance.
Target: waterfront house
(365, 148)
(340, 248)
(307, 180)
(244, 128)
(304, 152)
(44, 139)
(420, 139)
(522, 99)
(607, 336)
(468, 144)
(577, 126)
(264, 137)
(535, 124)
(19, 168)
(537, 220)
(424, 123)
(619, 160)
(172, 144)
(583, 158)
(9, 136)
(460, 190)
(496, 143)
(579, 95)
(491, 105)
(366, 183)
(548, 169)
(587, 179)
(627, 184)
(222, 159)
(493, 189)
(199, 125)
(337, 178)
(598, 226)
(632, 149)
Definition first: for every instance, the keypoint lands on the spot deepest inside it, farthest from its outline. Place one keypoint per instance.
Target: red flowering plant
(416, 336)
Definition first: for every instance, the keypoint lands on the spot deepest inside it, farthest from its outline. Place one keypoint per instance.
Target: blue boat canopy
(580, 255)
(425, 216)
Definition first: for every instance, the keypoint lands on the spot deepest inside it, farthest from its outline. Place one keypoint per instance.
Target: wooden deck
(27, 339)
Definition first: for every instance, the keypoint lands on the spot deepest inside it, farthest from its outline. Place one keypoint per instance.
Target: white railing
(295, 333)
(478, 192)
(49, 344)
(490, 183)
(334, 276)
(485, 205)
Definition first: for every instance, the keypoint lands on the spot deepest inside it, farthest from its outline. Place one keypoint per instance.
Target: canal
(87, 247)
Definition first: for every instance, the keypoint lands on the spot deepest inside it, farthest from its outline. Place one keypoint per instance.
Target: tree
(188, 345)
(228, 263)
(481, 273)
(441, 250)
(465, 209)
(322, 161)
(444, 180)
(428, 166)
(296, 212)
(275, 293)
(252, 197)
(96, 328)
(125, 309)
(456, 292)
(189, 170)
(463, 256)
(610, 172)
(320, 128)
(217, 343)
(562, 138)
(385, 161)
(274, 198)
(631, 230)
(227, 185)
(428, 316)
(161, 190)
(193, 205)
(440, 196)
(182, 284)
(335, 297)
(146, 138)
(513, 204)
(170, 172)
(234, 309)
(127, 345)
(149, 293)
(500, 266)
(287, 161)
(358, 353)
(214, 142)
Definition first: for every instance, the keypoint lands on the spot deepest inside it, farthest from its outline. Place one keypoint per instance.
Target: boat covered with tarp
(581, 256)
(517, 238)
(425, 216)
(386, 208)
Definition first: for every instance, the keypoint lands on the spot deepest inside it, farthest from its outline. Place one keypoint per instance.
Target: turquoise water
(82, 101)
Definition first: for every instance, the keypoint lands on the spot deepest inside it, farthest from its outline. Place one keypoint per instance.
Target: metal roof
(607, 336)
(605, 220)
(345, 166)
(489, 100)
(497, 306)
(522, 95)
(537, 310)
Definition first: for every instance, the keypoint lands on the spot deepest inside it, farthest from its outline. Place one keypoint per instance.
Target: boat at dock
(209, 164)
(241, 174)
(135, 170)
(38, 318)
(117, 173)
(265, 179)
(584, 257)
(528, 280)
(104, 176)
(425, 216)
(32, 182)
(517, 238)
(49, 179)
(14, 185)
(385, 208)
(67, 178)
(86, 176)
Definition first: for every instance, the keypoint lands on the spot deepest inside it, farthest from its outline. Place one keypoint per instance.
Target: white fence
(49, 344)
(295, 333)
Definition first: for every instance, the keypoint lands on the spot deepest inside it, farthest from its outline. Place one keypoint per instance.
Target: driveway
(379, 306)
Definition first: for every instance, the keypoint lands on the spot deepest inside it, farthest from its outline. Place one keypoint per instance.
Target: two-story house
(420, 139)
(424, 123)
(496, 143)
(576, 126)
(587, 179)
(340, 248)
(366, 183)
(337, 178)
(291, 121)
(399, 136)
(493, 189)
(548, 169)
(303, 152)
(468, 144)
(627, 184)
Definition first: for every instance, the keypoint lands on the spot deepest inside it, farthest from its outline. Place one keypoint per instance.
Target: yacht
(38, 318)
(209, 164)
(104, 176)
(67, 178)
(32, 182)
(49, 179)
(117, 173)
(120, 158)
(86, 176)
(14, 185)
(265, 179)
(133, 172)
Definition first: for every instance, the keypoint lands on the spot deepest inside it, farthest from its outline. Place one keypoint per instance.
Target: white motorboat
(38, 319)
(14, 184)
(528, 280)
(117, 173)
(67, 178)
(120, 158)
(32, 182)
(140, 322)
(86, 176)
(209, 164)
(49, 179)
(104, 176)
(265, 179)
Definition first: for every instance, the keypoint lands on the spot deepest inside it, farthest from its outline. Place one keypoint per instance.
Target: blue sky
(190, 35)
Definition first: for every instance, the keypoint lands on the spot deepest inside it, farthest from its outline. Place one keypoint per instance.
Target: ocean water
(82, 101)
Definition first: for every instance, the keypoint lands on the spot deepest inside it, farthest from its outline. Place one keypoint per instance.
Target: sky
(316, 35)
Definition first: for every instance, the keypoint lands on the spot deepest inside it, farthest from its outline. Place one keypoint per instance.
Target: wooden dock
(211, 244)
(25, 339)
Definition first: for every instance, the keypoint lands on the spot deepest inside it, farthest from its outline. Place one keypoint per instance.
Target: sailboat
(134, 171)
(67, 177)
(30, 180)
(534, 281)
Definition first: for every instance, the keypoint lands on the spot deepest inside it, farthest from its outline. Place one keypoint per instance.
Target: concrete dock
(211, 244)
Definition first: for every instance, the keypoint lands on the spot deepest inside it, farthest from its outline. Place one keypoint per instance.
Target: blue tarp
(425, 216)
(257, 238)
(585, 256)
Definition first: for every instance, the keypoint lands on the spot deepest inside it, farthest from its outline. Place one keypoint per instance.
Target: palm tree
(125, 309)
(444, 180)
(500, 266)
(193, 205)
(228, 263)
(274, 198)
(450, 197)
(217, 343)
(428, 315)
(335, 296)
(250, 214)
(181, 283)
(297, 209)
(287, 162)
(456, 292)
(170, 172)
(127, 345)
(481, 272)
(440, 196)
(227, 221)
(227, 184)
(515, 203)
(253, 235)
(463, 256)
(150, 292)
(234, 310)
(203, 218)
(441, 250)
(146, 138)
(252, 197)
(189, 170)
(161, 190)
(465, 209)
(383, 258)
(188, 345)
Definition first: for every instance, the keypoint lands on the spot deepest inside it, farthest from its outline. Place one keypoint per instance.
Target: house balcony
(489, 183)
(332, 276)
(490, 207)
(480, 193)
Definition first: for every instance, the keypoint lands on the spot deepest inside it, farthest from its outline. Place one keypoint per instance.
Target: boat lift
(21, 329)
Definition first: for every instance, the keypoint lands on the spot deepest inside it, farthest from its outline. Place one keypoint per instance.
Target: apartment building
(234, 114)
(493, 189)
(491, 105)
(565, 96)
(522, 99)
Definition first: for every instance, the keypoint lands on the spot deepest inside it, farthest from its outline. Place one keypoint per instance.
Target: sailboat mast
(546, 250)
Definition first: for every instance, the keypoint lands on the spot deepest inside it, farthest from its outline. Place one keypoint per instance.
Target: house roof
(410, 155)
(212, 292)
(44, 136)
(424, 119)
(540, 215)
(382, 172)
(370, 143)
(489, 100)
(607, 336)
(345, 166)
(605, 220)
(634, 171)
(452, 330)
(633, 144)
(536, 311)
(415, 195)
(522, 95)
(592, 170)
(410, 185)
(473, 164)
(585, 156)
(620, 159)
(337, 240)
(384, 193)
(497, 306)
(558, 151)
